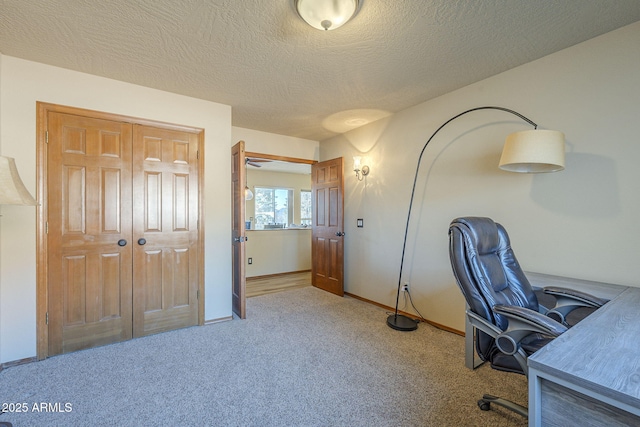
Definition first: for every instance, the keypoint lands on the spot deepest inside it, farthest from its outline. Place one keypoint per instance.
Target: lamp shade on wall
(326, 14)
(12, 190)
(533, 151)
(356, 163)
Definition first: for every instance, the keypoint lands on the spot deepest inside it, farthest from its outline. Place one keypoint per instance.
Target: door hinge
(46, 136)
(198, 154)
(198, 294)
(46, 317)
(46, 227)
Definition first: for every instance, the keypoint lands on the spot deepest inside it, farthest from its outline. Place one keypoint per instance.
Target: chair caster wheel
(484, 405)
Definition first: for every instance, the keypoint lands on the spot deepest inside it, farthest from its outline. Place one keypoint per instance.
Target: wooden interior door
(327, 236)
(89, 232)
(165, 230)
(238, 182)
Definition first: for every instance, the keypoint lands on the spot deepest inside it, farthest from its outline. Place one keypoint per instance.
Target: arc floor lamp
(529, 151)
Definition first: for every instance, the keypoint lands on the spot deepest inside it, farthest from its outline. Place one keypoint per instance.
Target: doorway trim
(279, 158)
(243, 279)
(42, 297)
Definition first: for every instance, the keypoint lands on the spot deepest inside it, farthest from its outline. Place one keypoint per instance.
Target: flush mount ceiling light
(326, 14)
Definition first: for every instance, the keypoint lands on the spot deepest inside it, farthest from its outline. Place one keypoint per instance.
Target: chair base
(487, 400)
(401, 323)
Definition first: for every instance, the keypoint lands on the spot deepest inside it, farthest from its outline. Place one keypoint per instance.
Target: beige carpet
(302, 358)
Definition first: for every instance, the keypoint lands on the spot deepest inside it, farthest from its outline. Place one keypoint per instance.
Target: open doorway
(327, 225)
(277, 223)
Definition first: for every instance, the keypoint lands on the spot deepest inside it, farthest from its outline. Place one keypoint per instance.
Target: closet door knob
(122, 242)
(141, 241)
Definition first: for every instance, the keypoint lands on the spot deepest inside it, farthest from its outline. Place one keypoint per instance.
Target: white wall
(1, 340)
(278, 251)
(582, 222)
(22, 84)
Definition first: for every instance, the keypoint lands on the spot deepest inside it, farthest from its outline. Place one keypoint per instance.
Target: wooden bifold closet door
(122, 231)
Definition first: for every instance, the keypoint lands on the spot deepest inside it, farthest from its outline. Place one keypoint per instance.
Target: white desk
(590, 375)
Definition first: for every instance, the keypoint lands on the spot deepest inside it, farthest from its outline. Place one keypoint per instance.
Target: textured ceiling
(281, 75)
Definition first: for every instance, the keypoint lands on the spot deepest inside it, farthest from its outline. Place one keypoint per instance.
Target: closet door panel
(89, 232)
(165, 257)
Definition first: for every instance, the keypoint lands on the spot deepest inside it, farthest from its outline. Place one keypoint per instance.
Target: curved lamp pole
(531, 151)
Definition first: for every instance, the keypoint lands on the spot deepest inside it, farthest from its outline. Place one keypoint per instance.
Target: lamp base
(401, 323)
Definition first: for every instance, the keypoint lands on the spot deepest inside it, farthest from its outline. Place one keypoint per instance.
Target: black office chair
(502, 305)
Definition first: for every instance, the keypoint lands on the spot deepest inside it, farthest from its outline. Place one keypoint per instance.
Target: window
(273, 207)
(305, 207)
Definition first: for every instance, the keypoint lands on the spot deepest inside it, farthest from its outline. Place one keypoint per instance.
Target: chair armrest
(494, 332)
(524, 319)
(523, 322)
(568, 300)
(483, 324)
(498, 334)
(574, 295)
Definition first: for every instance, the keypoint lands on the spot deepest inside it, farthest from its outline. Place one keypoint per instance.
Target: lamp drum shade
(12, 190)
(533, 151)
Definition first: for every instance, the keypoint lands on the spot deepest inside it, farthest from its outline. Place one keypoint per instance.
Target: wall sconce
(326, 14)
(360, 170)
(12, 190)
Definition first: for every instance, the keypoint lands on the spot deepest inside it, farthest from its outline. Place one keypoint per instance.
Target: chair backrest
(487, 271)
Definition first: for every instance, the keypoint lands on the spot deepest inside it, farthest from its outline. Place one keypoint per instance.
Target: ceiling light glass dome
(326, 14)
